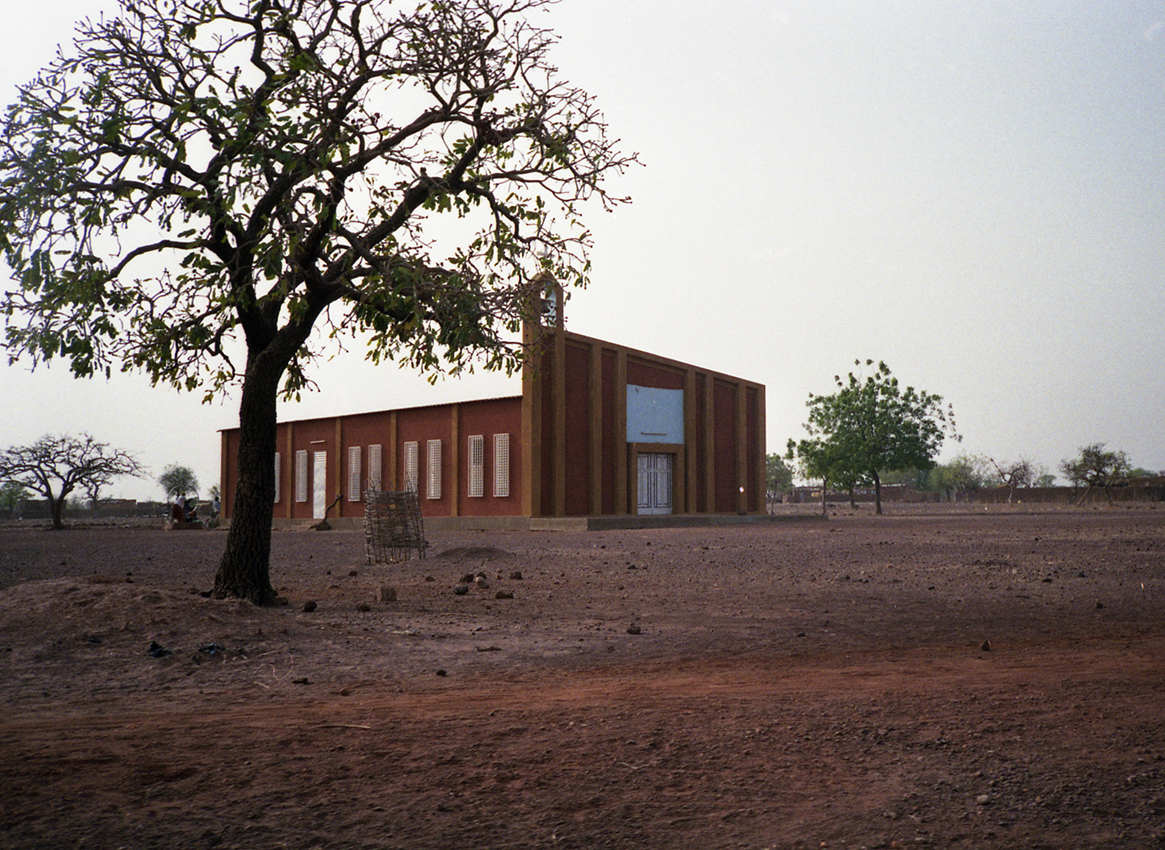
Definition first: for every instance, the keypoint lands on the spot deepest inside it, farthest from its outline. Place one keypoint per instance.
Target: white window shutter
(374, 467)
(412, 465)
(278, 470)
(301, 476)
(501, 465)
(476, 466)
(354, 473)
(433, 491)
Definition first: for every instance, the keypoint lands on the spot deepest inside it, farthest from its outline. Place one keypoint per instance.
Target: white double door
(656, 477)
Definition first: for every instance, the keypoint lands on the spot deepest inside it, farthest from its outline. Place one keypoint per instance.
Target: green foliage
(178, 480)
(195, 173)
(1095, 467)
(870, 425)
(55, 466)
(1141, 472)
(963, 475)
(12, 493)
(778, 475)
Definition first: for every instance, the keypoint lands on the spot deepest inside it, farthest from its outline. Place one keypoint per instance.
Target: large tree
(873, 424)
(196, 173)
(1095, 467)
(56, 466)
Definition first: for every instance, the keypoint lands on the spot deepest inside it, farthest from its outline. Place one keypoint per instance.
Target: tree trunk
(245, 567)
(57, 512)
(877, 494)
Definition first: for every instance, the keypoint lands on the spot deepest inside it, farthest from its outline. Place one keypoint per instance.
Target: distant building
(599, 430)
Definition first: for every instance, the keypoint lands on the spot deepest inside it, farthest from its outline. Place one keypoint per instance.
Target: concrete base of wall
(570, 523)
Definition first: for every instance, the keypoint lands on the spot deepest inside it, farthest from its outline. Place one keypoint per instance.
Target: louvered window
(501, 465)
(477, 466)
(433, 491)
(301, 476)
(412, 465)
(278, 470)
(353, 473)
(374, 466)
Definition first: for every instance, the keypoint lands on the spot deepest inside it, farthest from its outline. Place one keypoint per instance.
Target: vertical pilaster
(595, 427)
(741, 438)
(559, 423)
(289, 463)
(622, 495)
(390, 482)
(532, 367)
(689, 471)
(341, 468)
(761, 498)
(455, 460)
(710, 444)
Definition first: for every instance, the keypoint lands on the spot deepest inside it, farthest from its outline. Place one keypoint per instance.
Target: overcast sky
(971, 191)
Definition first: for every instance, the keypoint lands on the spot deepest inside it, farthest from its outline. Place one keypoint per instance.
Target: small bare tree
(1014, 474)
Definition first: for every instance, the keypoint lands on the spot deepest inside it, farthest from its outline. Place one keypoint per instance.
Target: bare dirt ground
(794, 685)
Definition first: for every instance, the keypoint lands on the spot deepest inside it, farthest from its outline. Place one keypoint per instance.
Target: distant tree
(874, 424)
(194, 175)
(1141, 472)
(1044, 479)
(961, 476)
(11, 495)
(1095, 467)
(778, 475)
(56, 466)
(177, 481)
(1014, 474)
(819, 458)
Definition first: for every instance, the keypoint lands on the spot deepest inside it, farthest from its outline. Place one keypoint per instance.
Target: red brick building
(599, 430)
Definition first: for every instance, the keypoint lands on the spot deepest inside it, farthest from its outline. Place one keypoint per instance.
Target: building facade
(598, 430)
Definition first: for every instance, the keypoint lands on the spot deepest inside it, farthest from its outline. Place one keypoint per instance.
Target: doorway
(656, 482)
